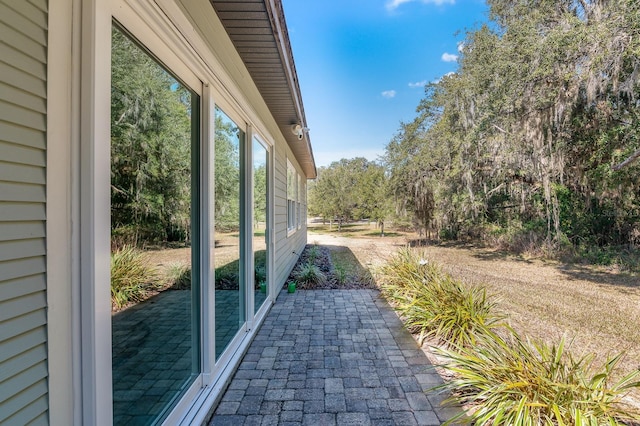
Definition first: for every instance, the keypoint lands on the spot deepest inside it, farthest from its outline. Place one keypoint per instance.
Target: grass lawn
(597, 309)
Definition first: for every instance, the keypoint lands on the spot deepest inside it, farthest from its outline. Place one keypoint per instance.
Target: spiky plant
(131, 276)
(434, 304)
(178, 276)
(309, 274)
(512, 381)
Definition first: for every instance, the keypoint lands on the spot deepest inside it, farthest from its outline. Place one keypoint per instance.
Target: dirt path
(598, 310)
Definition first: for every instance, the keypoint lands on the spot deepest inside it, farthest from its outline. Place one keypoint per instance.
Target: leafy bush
(131, 276)
(516, 382)
(434, 304)
(309, 274)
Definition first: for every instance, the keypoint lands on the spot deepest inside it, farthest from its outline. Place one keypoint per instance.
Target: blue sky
(362, 65)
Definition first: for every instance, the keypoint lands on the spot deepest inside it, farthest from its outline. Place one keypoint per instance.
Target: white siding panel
(20, 154)
(15, 308)
(21, 24)
(20, 136)
(16, 402)
(22, 42)
(22, 268)
(23, 124)
(20, 97)
(30, 357)
(22, 116)
(42, 6)
(17, 230)
(33, 414)
(22, 192)
(19, 344)
(34, 11)
(20, 287)
(21, 211)
(27, 82)
(22, 324)
(10, 172)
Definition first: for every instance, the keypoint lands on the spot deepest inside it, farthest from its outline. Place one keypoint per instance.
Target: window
(230, 277)
(292, 197)
(155, 142)
(299, 202)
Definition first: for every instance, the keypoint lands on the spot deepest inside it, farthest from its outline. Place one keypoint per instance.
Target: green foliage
(131, 276)
(228, 138)
(434, 304)
(150, 148)
(341, 274)
(529, 128)
(350, 189)
(309, 274)
(178, 276)
(509, 380)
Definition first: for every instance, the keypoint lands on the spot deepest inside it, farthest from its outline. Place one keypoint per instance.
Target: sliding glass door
(260, 175)
(155, 291)
(230, 223)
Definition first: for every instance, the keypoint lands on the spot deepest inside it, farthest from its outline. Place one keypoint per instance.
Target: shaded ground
(596, 309)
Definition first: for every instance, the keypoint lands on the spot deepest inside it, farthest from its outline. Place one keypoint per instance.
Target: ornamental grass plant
(131, 276)
(512, 381)
(433, 304)
(309, 274)
(501, 377)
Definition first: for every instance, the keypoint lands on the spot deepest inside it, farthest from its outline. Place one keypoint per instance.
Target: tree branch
(633, 157)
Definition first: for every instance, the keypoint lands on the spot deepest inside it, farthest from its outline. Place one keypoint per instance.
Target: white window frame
(162, 28)
(292, 199)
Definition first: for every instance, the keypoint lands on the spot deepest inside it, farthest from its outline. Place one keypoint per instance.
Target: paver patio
(332, 357)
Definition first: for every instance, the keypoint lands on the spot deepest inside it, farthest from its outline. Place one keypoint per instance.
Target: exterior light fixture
(299, 131)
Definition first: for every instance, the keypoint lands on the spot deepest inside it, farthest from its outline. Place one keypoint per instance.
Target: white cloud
(389, 94)
(418, 84)
(460, 46)
(394, 4)
(438, 80)
(449, 57)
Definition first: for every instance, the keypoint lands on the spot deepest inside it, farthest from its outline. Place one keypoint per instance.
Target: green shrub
(341, 274)
(434, 304)
(178, 276)
(313, 253)
(511, 381)
(131, 276)
(309, 274)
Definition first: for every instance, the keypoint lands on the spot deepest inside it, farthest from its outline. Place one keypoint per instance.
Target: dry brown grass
(598, 310)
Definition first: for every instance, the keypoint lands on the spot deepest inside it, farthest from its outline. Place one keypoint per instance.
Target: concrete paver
(332, 357)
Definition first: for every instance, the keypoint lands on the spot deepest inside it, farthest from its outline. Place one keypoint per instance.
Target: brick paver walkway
(328, 357)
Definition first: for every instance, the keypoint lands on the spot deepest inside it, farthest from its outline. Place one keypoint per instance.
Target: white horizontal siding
(23, 124)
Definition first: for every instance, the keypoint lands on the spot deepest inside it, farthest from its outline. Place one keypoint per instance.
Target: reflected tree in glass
(260, 158)
(154, 145)
(229, 211)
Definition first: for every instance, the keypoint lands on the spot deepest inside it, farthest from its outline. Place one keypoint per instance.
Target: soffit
(258, 31)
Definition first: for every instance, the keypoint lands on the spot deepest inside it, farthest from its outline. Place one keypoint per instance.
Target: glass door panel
(260, 214)
(230, 315)
(154, 235)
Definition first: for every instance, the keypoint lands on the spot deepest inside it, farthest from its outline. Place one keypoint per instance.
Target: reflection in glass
(260, 223)
(154, 290)
(229, 279)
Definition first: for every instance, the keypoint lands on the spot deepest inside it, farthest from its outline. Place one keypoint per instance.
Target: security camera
(298, 130)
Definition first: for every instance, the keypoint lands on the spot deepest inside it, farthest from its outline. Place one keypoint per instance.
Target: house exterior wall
(23, 132)
(289, 245)
(46, 287)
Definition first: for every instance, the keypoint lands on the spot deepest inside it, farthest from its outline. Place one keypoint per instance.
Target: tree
(150, 148)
